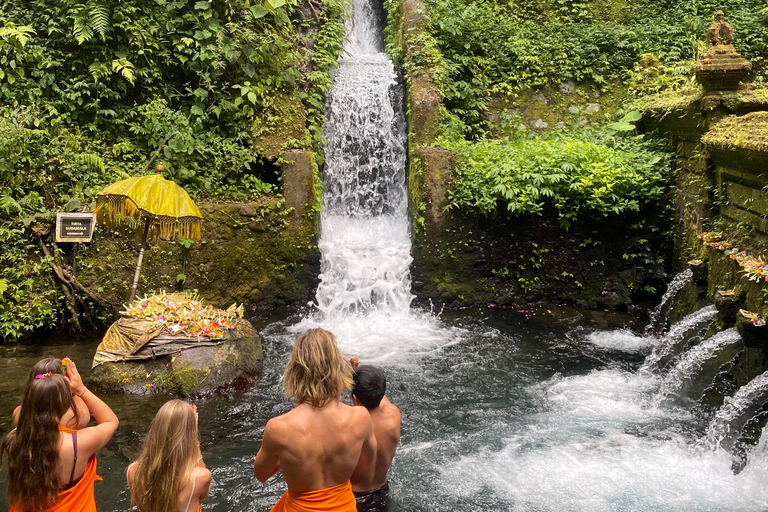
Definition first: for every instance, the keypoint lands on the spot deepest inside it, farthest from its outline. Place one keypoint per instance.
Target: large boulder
(171, 343)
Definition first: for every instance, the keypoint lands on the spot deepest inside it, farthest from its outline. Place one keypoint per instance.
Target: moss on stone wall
(748, 132)
(280, 125)
(520, 259)
(568, 104)
(670, 100)
(247, 255)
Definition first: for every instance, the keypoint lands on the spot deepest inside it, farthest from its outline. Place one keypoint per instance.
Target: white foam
(582, 453)
(622, 339)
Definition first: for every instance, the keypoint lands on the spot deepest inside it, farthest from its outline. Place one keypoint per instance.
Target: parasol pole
(141, 257)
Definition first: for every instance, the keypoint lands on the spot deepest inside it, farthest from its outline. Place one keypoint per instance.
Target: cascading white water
(364, 240)
(697, 367)
(727, 425)
(657, 318)
(681, 334)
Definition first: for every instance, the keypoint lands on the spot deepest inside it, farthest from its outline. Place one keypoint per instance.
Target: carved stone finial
(721, 67)
(720, 32)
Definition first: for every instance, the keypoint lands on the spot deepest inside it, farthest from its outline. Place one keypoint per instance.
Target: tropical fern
(89, 19)
(82, 29)
(18, 35)
(124, 68)
(91, 160)
(100, 21)
(98, 70)
(8, 204)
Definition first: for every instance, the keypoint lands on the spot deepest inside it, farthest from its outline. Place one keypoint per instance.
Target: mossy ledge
(748, 132)
(260, 253)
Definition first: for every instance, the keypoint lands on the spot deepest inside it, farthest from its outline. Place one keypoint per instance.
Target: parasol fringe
(112, 210)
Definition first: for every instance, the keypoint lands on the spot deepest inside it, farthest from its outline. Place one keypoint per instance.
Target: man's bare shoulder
(389, 409)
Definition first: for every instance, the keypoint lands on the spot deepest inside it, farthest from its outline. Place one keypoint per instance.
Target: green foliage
(535, 43)
(92, 92)
(588, 171)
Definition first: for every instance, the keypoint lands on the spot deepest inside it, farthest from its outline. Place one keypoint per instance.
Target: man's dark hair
(369, 386)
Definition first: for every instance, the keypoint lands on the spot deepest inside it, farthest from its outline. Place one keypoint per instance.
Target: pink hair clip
(44, 375)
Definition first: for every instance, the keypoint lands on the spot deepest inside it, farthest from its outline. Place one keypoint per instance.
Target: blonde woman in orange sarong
(52, 468)
(169, 474)
(320, 442)
(74, 420)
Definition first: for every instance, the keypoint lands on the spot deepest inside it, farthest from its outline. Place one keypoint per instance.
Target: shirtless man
(319, 443)
(369, 483)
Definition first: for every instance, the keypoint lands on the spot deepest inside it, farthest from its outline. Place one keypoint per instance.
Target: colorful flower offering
(754, 317)
(183, 313)
(754, 267)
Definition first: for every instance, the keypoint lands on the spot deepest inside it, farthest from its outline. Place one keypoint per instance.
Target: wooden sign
(75, 227)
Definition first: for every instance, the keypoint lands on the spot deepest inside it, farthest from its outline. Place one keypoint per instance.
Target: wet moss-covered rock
(204, 369)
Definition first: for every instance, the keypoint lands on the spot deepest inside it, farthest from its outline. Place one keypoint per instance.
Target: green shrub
(535, 43)
(585, 171)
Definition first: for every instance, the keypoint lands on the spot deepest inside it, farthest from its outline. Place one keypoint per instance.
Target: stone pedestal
(720, 68)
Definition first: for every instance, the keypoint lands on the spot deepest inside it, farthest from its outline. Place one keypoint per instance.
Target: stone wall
(721, 179)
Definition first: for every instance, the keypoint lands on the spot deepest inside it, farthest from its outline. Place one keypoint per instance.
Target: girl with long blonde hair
(169, 474)
(52, 468)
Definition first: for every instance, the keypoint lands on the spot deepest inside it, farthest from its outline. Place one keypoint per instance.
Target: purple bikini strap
(74, 463)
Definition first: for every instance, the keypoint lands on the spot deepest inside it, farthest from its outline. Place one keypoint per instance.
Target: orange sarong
(332, 499)
(78, 498)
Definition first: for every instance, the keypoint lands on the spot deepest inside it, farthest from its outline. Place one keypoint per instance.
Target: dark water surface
(500, 412)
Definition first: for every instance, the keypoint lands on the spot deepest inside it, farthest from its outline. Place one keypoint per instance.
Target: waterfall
(365, 241)
(657, 318)
(697, 368)
(679, 336)
(725, 428)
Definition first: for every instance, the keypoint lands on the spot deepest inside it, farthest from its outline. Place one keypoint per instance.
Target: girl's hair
(168, 456)
(317, 371)
(49, 364)
(33, 453)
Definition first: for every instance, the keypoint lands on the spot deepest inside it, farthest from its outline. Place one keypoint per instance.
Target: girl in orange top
(169, 474)
(51, 468)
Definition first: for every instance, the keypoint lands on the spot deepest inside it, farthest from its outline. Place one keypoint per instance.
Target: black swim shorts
(376, 500)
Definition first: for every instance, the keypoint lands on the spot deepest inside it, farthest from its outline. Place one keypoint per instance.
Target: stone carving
(721, 67)
(720, 32)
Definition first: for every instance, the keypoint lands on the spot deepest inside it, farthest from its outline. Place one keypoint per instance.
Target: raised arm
(267, 461)
(368, 452)
(92, 439)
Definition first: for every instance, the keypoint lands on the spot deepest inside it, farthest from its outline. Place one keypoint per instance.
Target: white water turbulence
(657, 318)
(727, 425)
(686, 331)
(696, 369)
(622, 340)
(600, 443)
(364, 295)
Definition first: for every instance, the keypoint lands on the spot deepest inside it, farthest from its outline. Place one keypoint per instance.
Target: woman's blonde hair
(317, 371)
(168, 456)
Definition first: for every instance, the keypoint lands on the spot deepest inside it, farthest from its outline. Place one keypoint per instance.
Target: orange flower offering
(64, 363)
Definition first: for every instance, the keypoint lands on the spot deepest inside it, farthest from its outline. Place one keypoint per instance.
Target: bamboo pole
(141, 258)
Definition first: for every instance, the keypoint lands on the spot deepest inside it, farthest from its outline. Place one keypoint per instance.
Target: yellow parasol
(166, 209)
